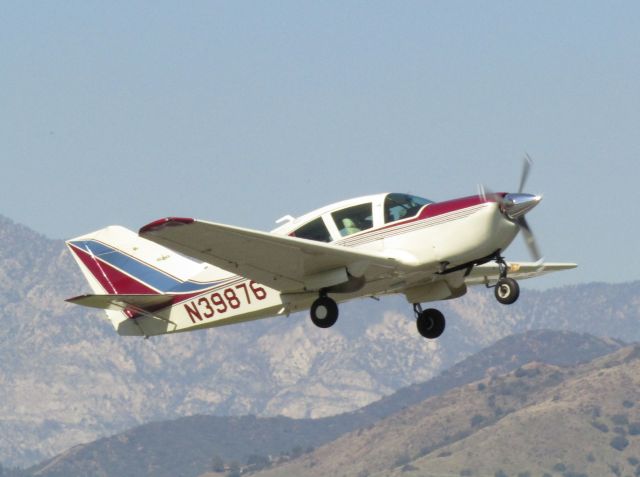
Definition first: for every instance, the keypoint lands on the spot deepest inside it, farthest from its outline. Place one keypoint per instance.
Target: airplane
(181, 274)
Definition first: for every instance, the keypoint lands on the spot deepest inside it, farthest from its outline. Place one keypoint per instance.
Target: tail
(130, 275)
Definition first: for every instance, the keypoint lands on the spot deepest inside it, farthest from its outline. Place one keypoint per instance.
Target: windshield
(400, 206)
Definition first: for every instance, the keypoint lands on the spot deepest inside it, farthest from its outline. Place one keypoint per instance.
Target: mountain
(67, 378)
(196, 440)
(537, 420)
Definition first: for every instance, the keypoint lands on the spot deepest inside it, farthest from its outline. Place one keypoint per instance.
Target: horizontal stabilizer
(123, 302)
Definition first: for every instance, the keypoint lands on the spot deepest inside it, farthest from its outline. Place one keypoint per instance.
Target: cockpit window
(400, 206)
(354, 219)
(314, 230)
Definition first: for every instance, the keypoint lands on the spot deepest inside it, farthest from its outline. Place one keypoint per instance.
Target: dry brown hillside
(537, 420)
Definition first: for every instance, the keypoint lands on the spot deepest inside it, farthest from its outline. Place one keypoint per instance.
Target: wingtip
(74, 299)
(165, 222)
(561, 265)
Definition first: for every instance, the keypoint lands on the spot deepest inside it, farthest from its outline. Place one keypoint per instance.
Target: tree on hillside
(619, 443)
(257, 462)
(217, 464)
(296, 452)
(234, 469)
(620, 419)
(477, 419)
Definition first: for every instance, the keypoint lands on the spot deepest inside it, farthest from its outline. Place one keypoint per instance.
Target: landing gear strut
(430, 322)
(507, 289)
(324, 311)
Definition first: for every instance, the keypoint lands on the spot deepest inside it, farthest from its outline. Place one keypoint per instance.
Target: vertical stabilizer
(116, 261)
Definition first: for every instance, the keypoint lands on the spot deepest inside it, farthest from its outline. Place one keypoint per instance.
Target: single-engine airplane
(181, 274)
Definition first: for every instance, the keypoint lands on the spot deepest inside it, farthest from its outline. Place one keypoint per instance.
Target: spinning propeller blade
(516, 205)
(526, 167)
(529, 239)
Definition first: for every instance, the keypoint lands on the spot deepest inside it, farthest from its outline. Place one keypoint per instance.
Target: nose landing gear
(507, 289)
(430, 322)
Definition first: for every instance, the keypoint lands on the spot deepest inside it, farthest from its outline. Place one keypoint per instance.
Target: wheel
(430, 323)
(507, 291)
(324, 312)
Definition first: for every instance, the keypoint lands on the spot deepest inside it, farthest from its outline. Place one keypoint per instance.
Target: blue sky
(241, 112)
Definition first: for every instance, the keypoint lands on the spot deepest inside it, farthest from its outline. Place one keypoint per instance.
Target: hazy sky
(241, 112)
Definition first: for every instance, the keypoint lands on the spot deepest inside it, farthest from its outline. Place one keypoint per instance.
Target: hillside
(539, 419)
(68, 379)
(197, 440)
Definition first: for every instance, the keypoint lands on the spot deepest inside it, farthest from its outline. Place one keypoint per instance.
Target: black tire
(324, 312)
(430, 323)
(507, 291)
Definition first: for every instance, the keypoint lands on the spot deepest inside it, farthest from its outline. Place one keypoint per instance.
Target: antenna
(287, 218)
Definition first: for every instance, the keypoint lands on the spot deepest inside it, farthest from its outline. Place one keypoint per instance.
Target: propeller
(529, 239)
(516, 205)
(526, 167)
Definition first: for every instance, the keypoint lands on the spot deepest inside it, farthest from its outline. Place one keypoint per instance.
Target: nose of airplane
(517, 204)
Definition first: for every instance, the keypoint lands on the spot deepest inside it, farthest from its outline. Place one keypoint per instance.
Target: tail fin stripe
(144, 273)
(111, 279)
(103, 274)
(129, 265)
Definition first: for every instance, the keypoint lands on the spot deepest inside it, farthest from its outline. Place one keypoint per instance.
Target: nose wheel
(507, 289)
(324, 312)
(430, 322)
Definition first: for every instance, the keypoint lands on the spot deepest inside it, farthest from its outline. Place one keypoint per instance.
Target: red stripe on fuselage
(438, 208)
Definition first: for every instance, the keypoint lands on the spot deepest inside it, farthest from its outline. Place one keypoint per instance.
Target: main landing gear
(430, 322)
(324, 311)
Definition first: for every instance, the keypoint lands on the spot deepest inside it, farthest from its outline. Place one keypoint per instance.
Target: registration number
(223, 301)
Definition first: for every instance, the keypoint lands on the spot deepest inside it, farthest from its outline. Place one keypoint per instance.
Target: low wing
(122, 302)
(490, 272)
(281, 262)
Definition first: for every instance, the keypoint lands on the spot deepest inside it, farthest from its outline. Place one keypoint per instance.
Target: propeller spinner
(516, 205)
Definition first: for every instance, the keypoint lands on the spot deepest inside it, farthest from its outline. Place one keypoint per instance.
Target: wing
(489, 272)
(281, 262)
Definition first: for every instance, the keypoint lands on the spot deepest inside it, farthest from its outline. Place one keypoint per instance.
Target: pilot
(349, 227)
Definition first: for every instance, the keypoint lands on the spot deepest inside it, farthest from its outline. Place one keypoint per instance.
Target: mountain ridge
(540, 419)
(68, 378)
(240, 438)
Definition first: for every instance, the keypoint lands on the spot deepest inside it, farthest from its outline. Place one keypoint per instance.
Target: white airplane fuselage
(444, 238)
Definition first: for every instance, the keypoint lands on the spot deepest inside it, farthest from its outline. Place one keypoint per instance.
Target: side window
(314, 230)
(354, 219)
(400, 206)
